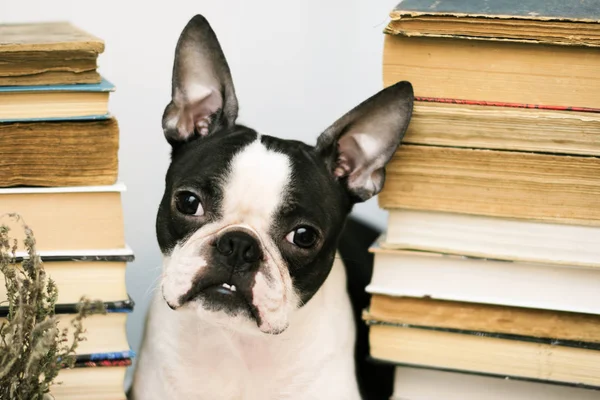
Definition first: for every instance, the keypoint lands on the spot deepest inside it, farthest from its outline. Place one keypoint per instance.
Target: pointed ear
(357, 147)
(203, 97)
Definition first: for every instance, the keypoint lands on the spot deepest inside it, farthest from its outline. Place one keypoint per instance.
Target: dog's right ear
(202, 95)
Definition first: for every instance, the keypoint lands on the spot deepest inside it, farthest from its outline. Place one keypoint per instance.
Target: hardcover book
(58, 153)
(437, 123)
(509, 184)
(520, 359)
(104, 333)
(66, 219)
(48, 53)
(479, 280)
(495, 238)
(22, 103)
(416, 383)
(491, 71)
(94, 274)
(539, 21)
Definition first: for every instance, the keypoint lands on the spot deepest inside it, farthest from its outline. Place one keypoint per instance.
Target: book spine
(497, 335)
(123, 306)
(115, 355)
(104, 363)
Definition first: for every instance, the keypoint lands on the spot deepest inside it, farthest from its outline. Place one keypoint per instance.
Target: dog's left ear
(203, 96)
(357, 147)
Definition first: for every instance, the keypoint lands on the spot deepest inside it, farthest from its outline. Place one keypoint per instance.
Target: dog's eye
(188, 203)
(303, 236)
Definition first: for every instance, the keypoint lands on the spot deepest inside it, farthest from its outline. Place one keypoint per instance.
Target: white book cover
(490, 237)
(456, 278)
(428, 384)
(117, 187)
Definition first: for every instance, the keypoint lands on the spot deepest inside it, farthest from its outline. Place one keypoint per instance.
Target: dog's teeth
(232, 288)
(226, 286)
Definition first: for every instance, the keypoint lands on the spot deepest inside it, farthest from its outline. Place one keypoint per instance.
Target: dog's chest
(249, 370)
(311, 360)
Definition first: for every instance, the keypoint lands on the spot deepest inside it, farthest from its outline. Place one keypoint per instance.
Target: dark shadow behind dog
(375, 380)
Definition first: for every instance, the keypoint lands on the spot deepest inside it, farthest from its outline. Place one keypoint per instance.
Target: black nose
(240, 249)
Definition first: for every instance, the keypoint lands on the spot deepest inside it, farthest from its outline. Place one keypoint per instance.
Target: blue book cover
(581, 10)
(115, 355)
(58, 119)
(104, 86)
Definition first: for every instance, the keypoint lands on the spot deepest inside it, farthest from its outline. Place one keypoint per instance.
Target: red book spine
(105, 363)
(504, 104)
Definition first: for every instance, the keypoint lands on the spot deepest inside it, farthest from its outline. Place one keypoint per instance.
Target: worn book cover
(48, 53)
(57, 153)
(507, 184)
(558, 328)
(544, 21)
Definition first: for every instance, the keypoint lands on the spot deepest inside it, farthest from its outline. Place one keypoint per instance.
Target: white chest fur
(185, 358)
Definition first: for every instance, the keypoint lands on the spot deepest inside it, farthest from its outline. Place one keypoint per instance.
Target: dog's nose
(241, 249)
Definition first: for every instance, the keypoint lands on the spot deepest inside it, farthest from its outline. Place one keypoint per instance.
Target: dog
(253, 300)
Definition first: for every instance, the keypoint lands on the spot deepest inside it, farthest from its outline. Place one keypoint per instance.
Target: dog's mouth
(225, 289)
(228, 296)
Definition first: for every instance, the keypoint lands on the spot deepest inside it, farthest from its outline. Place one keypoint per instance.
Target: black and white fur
(253, 302)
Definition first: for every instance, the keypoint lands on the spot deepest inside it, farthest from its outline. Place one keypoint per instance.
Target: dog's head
(249, 223)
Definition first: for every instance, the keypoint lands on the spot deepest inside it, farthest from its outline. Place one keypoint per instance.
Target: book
(488, 355)
(92, 383)
(117, 362)
(104, 333)
(517, 323)
(104, 358)
(48, 53)
(66, 219)
(428, 384)
(58, 153)
(463, 125)
(510, 184)
(549, 21)
(57, 101)
(476, 280)
(93, 274)
(543, 75)
(490, 237)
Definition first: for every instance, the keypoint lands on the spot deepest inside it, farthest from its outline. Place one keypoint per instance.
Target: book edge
(117, 187)
(118, 254)
(498, 376)
(577, 344)
(382, 247)
(425, 99)
(94, 117)
(398, 13)
(104, 86)
(111, 355)
(376, 289)
(119, 306)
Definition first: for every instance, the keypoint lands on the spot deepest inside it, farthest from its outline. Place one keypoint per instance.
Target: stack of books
(486, 284)
(58, 171)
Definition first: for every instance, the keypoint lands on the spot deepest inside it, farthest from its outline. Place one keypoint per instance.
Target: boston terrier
(253, 301)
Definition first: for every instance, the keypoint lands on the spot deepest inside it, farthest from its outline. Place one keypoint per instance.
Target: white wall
(297, 66)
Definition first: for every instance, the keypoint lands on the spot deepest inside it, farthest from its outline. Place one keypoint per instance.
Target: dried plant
(32, 347)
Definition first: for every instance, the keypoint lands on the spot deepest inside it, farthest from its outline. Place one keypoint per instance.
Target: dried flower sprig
(32, 347)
